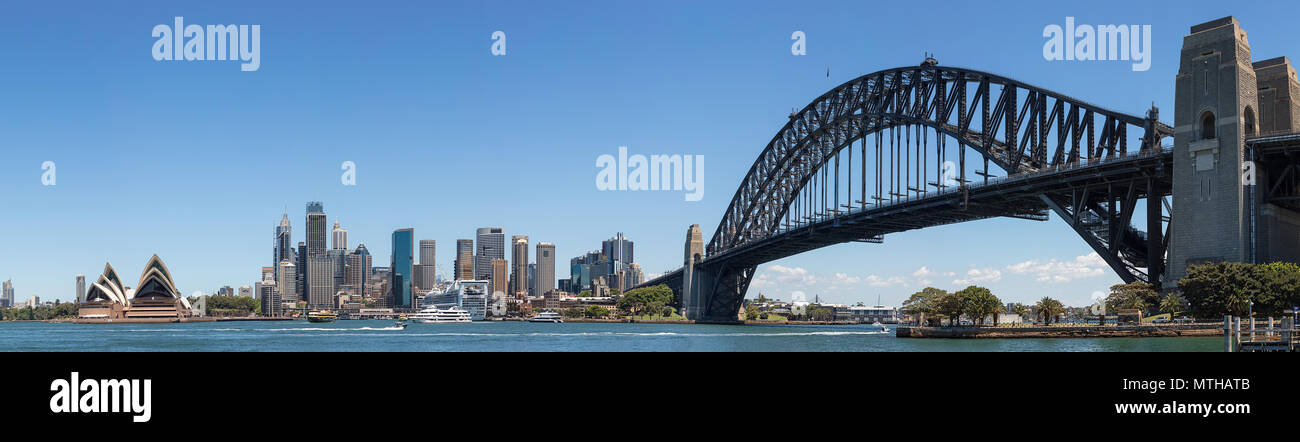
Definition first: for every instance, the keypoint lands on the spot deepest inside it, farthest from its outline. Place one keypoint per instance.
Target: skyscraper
(491, 245)
(519, 266)
(426, 270)
(359, 264)
(315, 228)
(402, 267)
(464, 259)
(340, 236)
(545, 269)
(269, 296)
(618, 249)
(81, 288)
(301, 276)
(283, 245)
(499, 281)
(320, 286)
(532, 279)
(288, 285)
(8, 292)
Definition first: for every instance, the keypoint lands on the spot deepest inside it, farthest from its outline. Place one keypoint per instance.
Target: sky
(196, 161)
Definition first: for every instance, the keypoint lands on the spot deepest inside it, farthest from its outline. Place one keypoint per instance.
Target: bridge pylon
(1218, 213)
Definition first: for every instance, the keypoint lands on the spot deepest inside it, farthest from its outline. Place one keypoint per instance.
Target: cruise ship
(435, 315)
(467, 295)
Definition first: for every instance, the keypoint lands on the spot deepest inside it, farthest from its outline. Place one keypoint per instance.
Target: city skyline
(223, 186)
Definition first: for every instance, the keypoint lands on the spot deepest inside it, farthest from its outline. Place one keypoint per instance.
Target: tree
(1049, 309)
(1172, 304)
(1134, 295)
(595, 311)
(751, 313)
(651, 300)
(979, 302)
(951, 305)
(923, 303)
(1220, 288)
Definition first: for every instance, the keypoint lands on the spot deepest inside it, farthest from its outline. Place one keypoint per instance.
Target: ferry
(434, 315)
(547, 317)
(321, 316)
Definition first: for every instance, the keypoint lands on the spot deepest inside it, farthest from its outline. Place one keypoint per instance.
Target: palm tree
(1050, 308)
(1172, 303)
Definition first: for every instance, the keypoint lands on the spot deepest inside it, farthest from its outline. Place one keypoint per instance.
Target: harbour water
(523, 336)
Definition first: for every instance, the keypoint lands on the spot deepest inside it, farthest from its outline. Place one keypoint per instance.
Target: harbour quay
(1081, 331)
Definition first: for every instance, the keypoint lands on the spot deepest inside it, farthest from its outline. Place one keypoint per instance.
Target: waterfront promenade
(1064, 331)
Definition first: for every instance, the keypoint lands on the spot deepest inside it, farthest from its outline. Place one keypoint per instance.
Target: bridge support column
(690, 295)
(1216, 89)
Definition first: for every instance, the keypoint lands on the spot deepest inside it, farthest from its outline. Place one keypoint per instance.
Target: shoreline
(1086, 331)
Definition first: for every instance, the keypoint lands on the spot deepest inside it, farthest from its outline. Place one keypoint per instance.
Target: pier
(1278, 336)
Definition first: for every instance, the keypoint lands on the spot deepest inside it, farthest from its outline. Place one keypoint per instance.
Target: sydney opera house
(154, 296)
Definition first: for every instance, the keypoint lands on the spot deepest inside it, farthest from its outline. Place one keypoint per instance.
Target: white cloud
(879, 281)
(1053, 271)
(979, 275)
(791, 275)
(922, 275)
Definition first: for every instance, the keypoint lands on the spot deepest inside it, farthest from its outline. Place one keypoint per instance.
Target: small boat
(321, 316)
(552, 317)
(400, 324)
(883, 329)
(434, 315)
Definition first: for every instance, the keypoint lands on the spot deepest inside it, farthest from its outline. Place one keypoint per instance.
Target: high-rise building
(245, 291)
(500, 280)
(545, 279)
(320, 286)
(532, 279)
(8, 292)
(585, 269)
(464, 260)
(402, 266)
(426, 270)
(287, 288)
(491, 245)
(268, 273)
(618, 249)
(301, 276)
(283, 245)
(339, 260)
(340, 236)
(519, 266)
(81, 288)
(315, 228)
(359, 267)
(269, 296)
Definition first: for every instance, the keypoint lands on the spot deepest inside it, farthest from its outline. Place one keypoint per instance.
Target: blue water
(522, 336)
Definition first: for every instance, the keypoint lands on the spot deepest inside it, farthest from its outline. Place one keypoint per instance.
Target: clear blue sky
(196, 161)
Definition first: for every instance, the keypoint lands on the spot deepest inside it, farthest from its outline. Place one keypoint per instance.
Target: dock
(1278, 336)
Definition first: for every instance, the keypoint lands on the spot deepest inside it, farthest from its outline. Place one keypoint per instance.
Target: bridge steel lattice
(937, 145)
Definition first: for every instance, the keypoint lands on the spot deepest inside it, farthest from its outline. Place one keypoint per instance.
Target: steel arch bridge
(950, 145)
